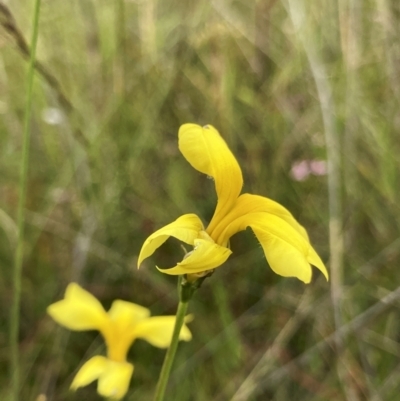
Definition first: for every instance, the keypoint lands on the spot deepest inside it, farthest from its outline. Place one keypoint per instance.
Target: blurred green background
(296, 87)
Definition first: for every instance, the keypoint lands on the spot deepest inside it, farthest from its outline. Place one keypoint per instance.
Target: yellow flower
(120, 326)
(284, 241)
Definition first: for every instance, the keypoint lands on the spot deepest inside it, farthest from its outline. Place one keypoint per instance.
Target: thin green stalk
(186, 288)
(170, 355)
(19, 252)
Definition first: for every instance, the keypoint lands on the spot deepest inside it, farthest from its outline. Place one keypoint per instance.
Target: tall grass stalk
(19, 251)
(336, 244)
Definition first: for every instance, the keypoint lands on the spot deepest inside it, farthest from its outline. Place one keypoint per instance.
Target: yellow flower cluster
(120, 327)
(285, 242)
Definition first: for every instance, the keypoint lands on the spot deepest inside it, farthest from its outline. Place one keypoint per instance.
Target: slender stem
(19, 252)
(170, 355)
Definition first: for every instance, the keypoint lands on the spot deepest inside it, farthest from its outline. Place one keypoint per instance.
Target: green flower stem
(170, 355)
(19, 252)
(186, 288)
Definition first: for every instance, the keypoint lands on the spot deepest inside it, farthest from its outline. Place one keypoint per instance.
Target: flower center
(118, 342)
(206, 236)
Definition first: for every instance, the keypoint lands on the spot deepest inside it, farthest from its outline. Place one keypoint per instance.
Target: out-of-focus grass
(134, 72)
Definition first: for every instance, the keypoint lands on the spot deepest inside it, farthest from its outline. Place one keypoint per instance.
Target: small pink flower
(302, 169)
(318, 167)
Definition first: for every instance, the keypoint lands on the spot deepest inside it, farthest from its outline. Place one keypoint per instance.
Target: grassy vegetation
(283, 81)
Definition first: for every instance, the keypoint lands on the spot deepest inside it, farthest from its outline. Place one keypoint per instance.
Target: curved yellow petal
(158, 331)
(314, 259)
(288, 253)
(185, 228)
(89, 372)
(207, 152)
(79, 310)
(284, 259)
(205, 256)
(248, 203)
(114, 381)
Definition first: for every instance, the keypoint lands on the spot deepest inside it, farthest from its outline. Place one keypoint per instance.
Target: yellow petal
(114, 381)
(185, 228)
(288, 253)
(158, 331)
(89, 372)
(248, 203)
(79, 310)
(207, 152)
(314, 259)
(205, 256)
(284, 259)
(127, 313)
